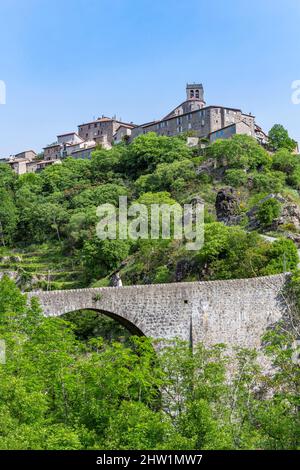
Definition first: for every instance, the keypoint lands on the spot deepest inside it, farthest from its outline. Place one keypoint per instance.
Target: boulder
(115, 280)
(228, 206)
(290, 214)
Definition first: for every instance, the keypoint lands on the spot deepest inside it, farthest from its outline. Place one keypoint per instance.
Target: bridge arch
(236, 312)
(131, 327)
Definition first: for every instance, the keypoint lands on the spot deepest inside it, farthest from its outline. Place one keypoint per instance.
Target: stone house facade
(103, 128)
(23, 161)
(27, 154)
(231, 130)
(85, 152)
(122, 133)
(19, 166)
(193, 115)
(70, 138)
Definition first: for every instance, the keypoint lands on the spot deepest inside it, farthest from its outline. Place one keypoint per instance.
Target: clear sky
(65, 62)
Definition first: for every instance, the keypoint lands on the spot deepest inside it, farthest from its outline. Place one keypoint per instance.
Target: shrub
(283, 257)
(284, 161)
(279, 138)
(271, 181)
(162, 275)
(268, 211)
(241, 151)
(235, 177)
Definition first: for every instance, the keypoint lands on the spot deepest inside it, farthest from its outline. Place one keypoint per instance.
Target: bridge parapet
(230, 311)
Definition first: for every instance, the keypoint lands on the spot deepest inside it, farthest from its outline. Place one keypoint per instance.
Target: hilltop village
(192, 117)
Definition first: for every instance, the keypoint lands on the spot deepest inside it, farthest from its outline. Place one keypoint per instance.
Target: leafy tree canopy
(280, 139)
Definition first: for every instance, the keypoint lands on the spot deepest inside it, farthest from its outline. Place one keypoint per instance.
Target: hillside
(49, 219)
(81, 381)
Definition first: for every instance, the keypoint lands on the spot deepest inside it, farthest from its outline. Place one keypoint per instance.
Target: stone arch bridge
(236, 312)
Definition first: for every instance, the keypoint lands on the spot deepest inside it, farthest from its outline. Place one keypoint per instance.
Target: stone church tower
(195, 91)
(194, 100)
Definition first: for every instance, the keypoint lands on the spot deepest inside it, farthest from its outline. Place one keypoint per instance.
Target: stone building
(22, 162)
(71, 138)
(27, 154)
(66, 145)
(194, 101)
(19, 166)
(53, 151)
(193, 115)
(101, 130)
(84, 152)
(123, 133)
(228, 131)
(261, 136)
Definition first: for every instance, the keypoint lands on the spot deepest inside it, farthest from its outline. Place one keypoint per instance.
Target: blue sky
(66, 62)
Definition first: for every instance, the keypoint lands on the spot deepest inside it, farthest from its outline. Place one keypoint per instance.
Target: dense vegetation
(49, 219)
(58, 392)
(81, 382)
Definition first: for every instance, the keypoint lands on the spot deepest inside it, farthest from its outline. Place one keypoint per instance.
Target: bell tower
(195, 92)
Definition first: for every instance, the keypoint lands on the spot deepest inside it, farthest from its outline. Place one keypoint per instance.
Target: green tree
(8, 177)
(283, 257)
(100, 257)
(8, 217)
(236, 177)
(167, 177)
(239, 152)
(271, 181)
(145, 152)
(280, 139)
(268, 211)
(60, 393)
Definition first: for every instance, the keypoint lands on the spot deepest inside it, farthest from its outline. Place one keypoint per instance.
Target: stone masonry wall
(235, 312)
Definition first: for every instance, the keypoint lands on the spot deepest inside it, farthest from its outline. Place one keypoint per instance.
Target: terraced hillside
(40, 267)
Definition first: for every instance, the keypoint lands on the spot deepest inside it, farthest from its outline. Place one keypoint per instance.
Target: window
(192, 94)
(197, 94)
(190, 125)
(95, 125)
(189, 117)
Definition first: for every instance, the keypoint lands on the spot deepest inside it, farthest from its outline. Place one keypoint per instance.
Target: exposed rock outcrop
(228, 206)
(254, 223)
(290, 215)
